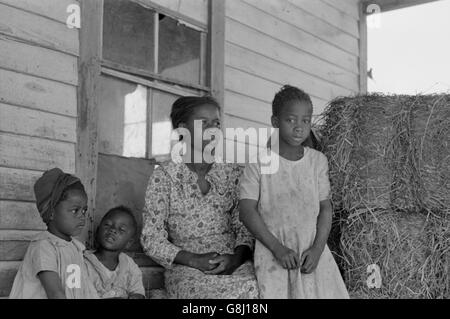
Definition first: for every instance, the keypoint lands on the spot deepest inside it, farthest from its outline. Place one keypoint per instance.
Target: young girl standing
(289, 211)
(53, 266)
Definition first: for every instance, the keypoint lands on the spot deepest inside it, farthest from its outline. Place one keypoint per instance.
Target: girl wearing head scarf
(53, 265)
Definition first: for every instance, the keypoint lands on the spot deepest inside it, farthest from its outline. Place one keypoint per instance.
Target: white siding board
(38, 61)
(247, 107)
(286, 11)
(34, 153)
(279, 73)
(19, 120)
(256, 41)
(20, 215)
(17, 184)
(245, 14)
(330, 15)
(38, 93)
(349, 7)
(53, 9)
(313, 45)
(253, 86)
(38, 30)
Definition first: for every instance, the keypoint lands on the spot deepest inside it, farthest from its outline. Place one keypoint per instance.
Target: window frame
(151, 79)
(202, 28)
(91, 66)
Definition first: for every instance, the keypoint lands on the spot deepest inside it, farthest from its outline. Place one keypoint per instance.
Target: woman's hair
(287, 94)
(183, 107)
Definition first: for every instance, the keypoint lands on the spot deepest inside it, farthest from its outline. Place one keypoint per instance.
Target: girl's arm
(253, 221)
(52, 285)
(310, 258)
(323, 224)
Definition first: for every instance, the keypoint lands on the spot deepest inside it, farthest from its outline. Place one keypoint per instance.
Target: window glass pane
(179, 51)
(122, 111)
(161, 126)
(128, 34)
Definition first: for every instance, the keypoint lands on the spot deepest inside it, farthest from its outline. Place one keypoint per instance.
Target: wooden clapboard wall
(310, 44)
(38, 113)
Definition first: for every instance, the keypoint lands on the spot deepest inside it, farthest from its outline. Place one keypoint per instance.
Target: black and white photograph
(238, 150)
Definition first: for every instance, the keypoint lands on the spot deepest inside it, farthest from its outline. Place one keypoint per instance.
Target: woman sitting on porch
(191, 220)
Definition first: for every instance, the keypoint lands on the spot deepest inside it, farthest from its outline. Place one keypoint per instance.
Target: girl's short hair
(183, 107)
(287, 94)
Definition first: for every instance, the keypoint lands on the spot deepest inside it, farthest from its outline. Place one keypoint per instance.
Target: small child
(289, 211)
(53, 265)
(114, 274)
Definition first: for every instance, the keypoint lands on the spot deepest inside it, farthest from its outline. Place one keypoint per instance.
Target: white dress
(289, 203)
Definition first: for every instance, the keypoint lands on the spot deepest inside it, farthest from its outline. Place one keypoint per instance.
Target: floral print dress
(178, 216)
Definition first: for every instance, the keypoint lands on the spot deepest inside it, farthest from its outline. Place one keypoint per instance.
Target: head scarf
(48, 190)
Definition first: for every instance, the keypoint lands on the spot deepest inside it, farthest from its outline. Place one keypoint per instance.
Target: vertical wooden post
(216, 37)
(362, 48)
(89, 73)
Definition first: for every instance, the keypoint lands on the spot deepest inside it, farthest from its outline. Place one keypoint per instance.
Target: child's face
(294, 122)
(70, 214)
(116, 231)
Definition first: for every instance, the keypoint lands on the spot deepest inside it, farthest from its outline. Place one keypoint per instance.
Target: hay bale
(389, 166)
(389, 152)
(412, 251)
(431, 136)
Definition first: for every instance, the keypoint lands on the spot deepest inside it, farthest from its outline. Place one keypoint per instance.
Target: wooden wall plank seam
(37, 61)
(14, 244)
(17, 184)
(247, 107)
(13, 250)
(22, 121)
(24, 152)
(329, 15)
(286, 12)
(255, 86)
(348, 7)
(282, 74)
(290, 56)
(37, 30)
(51, 9)
(238, 11)
(20, 215)
(18, 235)
(37, 93)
